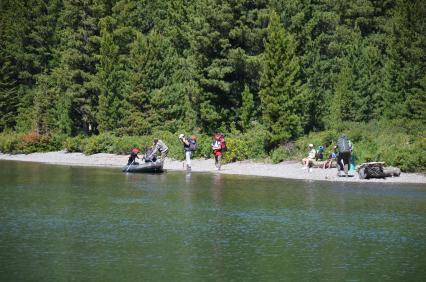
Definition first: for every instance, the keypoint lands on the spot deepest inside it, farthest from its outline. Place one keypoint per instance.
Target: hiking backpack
(223, 142)
(343, 145)
(193, 145)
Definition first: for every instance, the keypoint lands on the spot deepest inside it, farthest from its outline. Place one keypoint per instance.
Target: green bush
(396, 143)
(9, 142)
(98, 144)
(280, 154)
(73, 144)
(204, 147)
(237, 150)
(123, 145)
(255, 138)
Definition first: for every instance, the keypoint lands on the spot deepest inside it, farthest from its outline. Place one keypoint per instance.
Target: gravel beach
(289, 169)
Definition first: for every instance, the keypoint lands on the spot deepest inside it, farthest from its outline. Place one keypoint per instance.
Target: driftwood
(391, 171)
(377, 170)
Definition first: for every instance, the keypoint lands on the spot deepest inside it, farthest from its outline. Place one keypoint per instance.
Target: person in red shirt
(217, 150)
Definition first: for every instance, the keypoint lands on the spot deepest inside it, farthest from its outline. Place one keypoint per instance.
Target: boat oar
(130, 165)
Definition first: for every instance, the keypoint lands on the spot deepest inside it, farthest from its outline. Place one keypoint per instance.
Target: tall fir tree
(113, 79)
(403, 90)
(27, 38)
(280, 87)
(73, 78)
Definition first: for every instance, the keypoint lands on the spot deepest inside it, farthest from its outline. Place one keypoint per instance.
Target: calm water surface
(60, 223)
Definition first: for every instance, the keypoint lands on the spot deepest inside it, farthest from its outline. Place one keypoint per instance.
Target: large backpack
(343, 144)
(223, 142)
(193, 145)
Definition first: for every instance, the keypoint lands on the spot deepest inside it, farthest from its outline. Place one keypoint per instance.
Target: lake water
(62, 223)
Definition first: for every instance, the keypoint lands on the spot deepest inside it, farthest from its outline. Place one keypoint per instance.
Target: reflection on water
(73, 223)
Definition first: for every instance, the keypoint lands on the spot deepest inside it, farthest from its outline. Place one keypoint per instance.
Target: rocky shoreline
(288, 169)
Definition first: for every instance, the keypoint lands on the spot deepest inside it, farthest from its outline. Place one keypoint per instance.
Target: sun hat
(181, 136)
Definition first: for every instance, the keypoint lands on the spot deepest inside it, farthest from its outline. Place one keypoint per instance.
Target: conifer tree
(25, 49)
(153, 61)
(112, 79)
(247, 108)
(403, 91)
(342, 105)
(280, 89)
(74, 74)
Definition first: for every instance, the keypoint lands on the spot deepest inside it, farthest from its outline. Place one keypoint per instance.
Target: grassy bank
(399, 144)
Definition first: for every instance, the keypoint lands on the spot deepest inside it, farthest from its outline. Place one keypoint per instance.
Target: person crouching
(133, 156)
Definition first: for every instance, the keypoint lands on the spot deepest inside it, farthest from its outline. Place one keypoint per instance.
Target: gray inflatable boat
(145, 167)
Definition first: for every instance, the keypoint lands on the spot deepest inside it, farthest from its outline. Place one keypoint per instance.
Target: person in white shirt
(311, 157)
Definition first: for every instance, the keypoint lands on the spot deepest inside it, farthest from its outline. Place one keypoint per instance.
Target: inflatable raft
(147, 167)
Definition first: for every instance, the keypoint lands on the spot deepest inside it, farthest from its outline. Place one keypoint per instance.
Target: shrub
(255, 139)
(123, 145)
(33, 142)
(237, 150)
(395, 143)
(280, 154)
(97, 144)
(9, 142)
(73, 144)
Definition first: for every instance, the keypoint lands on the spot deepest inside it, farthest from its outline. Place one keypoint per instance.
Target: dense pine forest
(101, 75)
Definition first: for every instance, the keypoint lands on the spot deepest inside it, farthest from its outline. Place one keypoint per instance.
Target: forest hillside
(105, 75)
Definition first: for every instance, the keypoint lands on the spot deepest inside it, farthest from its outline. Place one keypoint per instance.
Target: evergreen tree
(280, 88)
(342, 106)
(74, 74)
(138, 66)
(112, 78)
(27, 39)
(247, 108)
(153, 66)
(403, 91)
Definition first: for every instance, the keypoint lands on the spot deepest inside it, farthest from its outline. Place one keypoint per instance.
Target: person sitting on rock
(307, 162)
(331, 158)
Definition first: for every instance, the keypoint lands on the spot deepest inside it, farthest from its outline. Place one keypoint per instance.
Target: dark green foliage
(280, 89)
(267, 71)
(247, 108)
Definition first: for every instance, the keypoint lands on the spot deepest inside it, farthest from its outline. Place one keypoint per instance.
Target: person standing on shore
(159, 146)
(344, 146)
(217, 150)
(186, 142)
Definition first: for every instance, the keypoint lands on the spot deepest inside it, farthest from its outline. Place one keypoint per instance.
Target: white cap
(311, 145)
(181, 136)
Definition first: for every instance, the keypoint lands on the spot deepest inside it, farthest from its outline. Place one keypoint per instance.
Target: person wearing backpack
(319, 156)
(218, 147)
(189, 146)
(344, 146)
